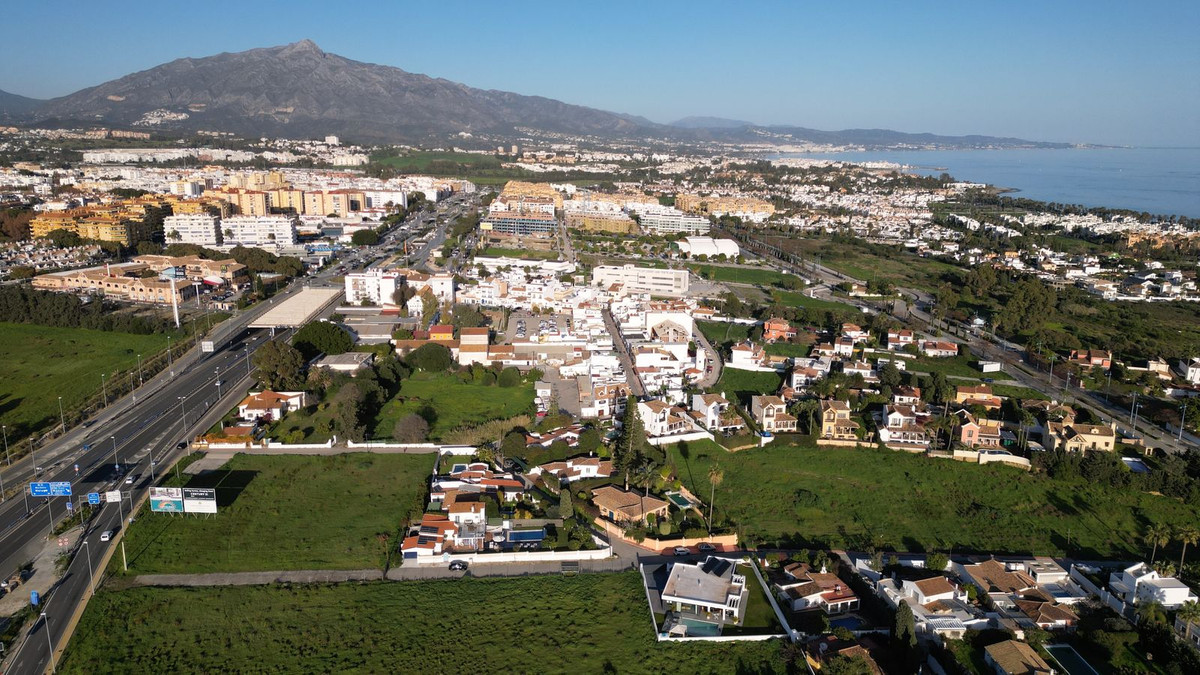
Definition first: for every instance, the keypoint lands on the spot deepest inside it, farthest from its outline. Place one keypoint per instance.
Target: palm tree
(643, 477)
(1157, 535)
(1187, 535)
(1189, 614)
(1152, 612)
(715, 477)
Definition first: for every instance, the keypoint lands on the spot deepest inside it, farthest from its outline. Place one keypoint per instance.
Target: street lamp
(116, 463)
(169, 350)
(61, 417)
(182, 411)
(49, 642)
(104, 388)
(33, 453)
(218, 373)
(91, 574)
(140, 381)
(7, 457)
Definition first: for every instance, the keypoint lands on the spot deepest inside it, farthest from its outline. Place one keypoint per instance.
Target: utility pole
(140, 380)
(61, 417)
(91, 573)
(7, 457)
(104, 388)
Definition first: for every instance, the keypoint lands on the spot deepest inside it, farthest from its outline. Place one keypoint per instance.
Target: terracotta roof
(935, 586)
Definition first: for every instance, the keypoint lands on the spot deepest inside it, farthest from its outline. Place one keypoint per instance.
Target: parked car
(706, 547)
(682, 550)
(458, 565)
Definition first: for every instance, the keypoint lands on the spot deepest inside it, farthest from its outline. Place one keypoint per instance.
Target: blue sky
(1103, 72)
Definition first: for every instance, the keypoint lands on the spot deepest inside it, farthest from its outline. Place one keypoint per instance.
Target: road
(709, 379)
(140, 434)
(635, 381)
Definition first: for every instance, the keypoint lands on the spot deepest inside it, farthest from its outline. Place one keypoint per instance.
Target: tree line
(23, 304)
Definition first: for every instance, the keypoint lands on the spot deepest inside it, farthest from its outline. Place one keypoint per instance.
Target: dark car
(706, 547)
(458, 566)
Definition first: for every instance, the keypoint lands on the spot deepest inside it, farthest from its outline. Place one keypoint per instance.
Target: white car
(106, 535)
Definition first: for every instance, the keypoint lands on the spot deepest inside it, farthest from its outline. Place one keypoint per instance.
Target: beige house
(626, 506)
(836, 424)
(1080, 437)
(770, 412)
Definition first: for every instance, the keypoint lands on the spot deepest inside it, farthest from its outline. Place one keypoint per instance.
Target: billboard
(60, 489)
(199, 500)
(39, 489)
(166, 500)
(207, 346)
(112, 496)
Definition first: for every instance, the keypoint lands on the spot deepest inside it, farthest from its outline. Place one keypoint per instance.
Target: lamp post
(61, 417)
(49, 642)
(7, 457)
(247, 350)
(91, 574)
(182, 411)
(116, 463)
(169, 350)
(104, 388)
(140, 380)
(218, 373)
(33, 454)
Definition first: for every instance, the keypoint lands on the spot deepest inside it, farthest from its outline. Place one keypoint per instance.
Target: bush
(364, 238)
(322, 337)
(431, 358)
(664, 526)
(411, 428)
(510, 377)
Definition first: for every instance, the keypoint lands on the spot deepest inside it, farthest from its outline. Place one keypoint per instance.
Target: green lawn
(961, 365)
(787, 349)
(1013, 391)
(759, 616)
(826, 497)
(798, 299)
(740, 385)
(448, 403)
(285, 513)
(40, 363)
(522, 253)
(738, 274)
(721, 332)
(588, 623)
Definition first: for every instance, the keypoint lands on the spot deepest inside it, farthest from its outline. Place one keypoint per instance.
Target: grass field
(798, 299)
(548, 624)
(859, 498)
(864, 263)
(448, 404)
(721, 332)
(39, 363)
(738, 274)
(421, 161)
(285, 513)
(959, 365)
(787, 349)
(740, 385)
(526, 254)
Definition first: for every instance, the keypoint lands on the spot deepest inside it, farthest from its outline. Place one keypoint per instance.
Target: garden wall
(666, 545)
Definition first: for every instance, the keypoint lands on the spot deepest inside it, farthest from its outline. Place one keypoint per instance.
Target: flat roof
(298, 309)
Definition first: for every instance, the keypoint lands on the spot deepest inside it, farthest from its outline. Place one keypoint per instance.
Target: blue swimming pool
(847, 622)
(679, 500)
(698, 628)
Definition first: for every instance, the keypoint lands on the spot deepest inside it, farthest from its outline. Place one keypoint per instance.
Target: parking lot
(526, 326)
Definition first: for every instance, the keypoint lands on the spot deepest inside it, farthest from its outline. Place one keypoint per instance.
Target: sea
(1161, 181)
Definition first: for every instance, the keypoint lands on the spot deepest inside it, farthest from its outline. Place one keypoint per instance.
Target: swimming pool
(679, 500)
(1070, 660)
(848, 622)
(698, 628)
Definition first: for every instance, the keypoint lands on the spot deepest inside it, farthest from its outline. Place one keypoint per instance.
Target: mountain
(298, 90)
(15, 106)
(703, 122)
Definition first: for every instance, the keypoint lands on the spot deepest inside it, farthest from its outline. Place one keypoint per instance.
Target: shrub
(411, 428)
(431, 358)
(510, 377)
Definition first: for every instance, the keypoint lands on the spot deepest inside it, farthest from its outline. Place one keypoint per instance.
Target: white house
(269, 405)
(709, 587)
(1190, 370)
(1140, 583)
(715, 413)
(933, 589)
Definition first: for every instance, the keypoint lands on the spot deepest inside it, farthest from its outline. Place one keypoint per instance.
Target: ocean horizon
(1161, 181)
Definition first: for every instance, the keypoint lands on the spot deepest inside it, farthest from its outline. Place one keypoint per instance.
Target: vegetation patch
(448, 403)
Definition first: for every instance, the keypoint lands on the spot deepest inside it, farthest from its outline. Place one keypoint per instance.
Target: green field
(421, 161)
(721, 332)
(787, 349)
(285, 513)
(961, 365)
(826, 497)
(448, 403)
(798, 299)
(738, 274)
(740, 385)
(526, 254)
(40, 363)
(547, 624)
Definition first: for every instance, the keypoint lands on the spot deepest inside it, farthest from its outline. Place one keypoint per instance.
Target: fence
(666, 545)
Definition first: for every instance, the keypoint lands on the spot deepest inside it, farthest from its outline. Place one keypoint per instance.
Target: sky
(1120, 73)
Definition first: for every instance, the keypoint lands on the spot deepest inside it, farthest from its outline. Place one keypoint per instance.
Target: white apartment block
(259, 231)
(199, 229)
(375, 286)
(672, 221)
(378, 199)
(642, 279)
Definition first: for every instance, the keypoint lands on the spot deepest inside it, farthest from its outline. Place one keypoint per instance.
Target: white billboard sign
(207, 346)
(199, 500)
(112, 496)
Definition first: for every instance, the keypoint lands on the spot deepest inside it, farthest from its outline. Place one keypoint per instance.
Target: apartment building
(635, 279)
(672, 221)
(199, 229)
(118, 282)
(259, 231)
(247, 202)
(520, 224)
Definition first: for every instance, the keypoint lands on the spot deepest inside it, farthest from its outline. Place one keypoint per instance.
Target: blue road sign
(39, 489)
(93, 498)
(60, 489)
(70, 506)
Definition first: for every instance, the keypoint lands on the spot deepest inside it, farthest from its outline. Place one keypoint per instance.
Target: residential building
(770, 412)
(1190, 370)
(903, 429)
(269, 405)
(836, 424)
(801, 588)
(578, 468)
(899, 339)
(519, 224)
(938, 348)
(259, 231)
(1015, 658)
(1140, 583)
(627, 506)
(706, 588)
(978, 432)
(933, 589)
(778, 329)
(199, 229)
(979, 395)
(1091, 358)
(118, 282)
(671, 221)
(662, 419)
(1073, 437)
(349, 362)
(715, 413)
